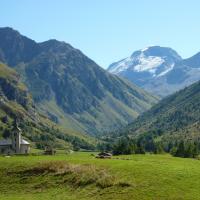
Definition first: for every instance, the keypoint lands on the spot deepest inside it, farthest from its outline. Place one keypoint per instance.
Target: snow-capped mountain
(152, 62)
(159, 70)
(155, 60)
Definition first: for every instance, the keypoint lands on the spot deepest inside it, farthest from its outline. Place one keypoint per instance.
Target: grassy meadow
(81, 176)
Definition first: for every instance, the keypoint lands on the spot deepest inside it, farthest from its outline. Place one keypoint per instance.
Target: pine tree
(180, 150)
(158, 148)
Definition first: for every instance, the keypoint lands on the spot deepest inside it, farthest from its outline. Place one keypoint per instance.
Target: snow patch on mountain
(166, 71)
(148, 63)
(140, 63)
(121, 66)
(155, 60)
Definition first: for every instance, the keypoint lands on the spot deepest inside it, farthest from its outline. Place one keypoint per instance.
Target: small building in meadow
(104, 155)
(15, 144)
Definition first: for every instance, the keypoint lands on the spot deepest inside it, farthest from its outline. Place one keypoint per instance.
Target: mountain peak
(153, 60)
(8, 29)
(16, 47)
(149, 47)
(159, 70)
(54, 45)
(158, 51)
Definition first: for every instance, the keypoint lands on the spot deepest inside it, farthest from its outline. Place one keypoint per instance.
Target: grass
(82, 176)
(73, 174)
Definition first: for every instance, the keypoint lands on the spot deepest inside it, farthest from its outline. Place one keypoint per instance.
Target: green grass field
(137, 177)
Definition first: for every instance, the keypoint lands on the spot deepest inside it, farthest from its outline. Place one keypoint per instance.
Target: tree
(124, 146)
(140, 149)
(188, 153)
(4, 119)
(158, 149)
(191, 150)
(180, 150)
(185, 150)
(195, 150)
(173, 151)
(6, 133)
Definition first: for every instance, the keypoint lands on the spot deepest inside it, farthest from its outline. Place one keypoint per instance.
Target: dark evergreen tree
(180, 150)
(6, 133)
(158, 148)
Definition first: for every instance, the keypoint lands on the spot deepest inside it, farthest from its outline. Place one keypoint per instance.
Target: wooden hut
(104, 155)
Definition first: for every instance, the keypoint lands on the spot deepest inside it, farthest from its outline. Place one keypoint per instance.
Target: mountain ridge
(71, 88)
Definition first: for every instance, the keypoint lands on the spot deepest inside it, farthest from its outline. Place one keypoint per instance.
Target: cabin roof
(24, 142)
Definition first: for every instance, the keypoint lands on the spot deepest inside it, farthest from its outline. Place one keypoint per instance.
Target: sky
(108, 30)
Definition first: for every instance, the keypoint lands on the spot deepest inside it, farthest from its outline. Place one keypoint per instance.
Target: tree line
(142, 145)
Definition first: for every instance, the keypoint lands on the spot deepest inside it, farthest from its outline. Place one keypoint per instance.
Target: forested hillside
(174, 121)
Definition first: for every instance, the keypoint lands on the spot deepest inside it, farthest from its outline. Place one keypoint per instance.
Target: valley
(63, 99)
(79, 122)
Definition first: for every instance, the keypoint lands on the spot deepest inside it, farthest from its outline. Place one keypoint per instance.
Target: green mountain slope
(175, 117)
(16, 102)
(71, 88)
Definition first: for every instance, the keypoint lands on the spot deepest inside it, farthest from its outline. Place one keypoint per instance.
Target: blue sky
(108, 30)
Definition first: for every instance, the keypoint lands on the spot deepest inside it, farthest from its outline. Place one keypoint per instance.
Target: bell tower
(16, 137)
